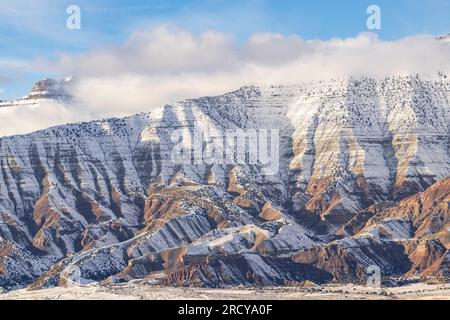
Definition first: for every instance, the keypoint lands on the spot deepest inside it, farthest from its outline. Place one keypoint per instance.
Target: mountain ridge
(56, 90)
(344, 146)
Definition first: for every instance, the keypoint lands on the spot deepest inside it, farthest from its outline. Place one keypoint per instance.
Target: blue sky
(36, 29)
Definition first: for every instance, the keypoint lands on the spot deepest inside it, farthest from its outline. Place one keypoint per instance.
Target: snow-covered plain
(140, 291)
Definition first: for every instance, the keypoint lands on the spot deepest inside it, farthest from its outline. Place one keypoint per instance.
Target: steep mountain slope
(109, 198)
(410, 238)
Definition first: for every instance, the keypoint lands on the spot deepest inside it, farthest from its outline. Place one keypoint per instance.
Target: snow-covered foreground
(142, 291)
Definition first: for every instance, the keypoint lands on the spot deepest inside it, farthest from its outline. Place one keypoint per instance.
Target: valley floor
(142, 291)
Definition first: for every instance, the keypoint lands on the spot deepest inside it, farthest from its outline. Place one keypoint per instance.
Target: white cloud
(28, 118)
(166, 64)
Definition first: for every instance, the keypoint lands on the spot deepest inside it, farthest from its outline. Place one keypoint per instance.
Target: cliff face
(410, 238)
(108, 197)
(48, 89)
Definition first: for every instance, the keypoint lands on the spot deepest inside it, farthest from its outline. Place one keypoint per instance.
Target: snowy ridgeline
(344, 145)
(49, 89)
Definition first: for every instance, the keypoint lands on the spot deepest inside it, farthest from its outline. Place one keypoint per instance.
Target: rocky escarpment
(48, 89)
(110, 198)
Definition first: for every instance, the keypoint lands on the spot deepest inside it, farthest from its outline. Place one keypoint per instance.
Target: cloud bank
(166, 64)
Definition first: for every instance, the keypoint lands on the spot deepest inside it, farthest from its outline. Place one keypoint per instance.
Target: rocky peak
(55, 89)
(58, 90)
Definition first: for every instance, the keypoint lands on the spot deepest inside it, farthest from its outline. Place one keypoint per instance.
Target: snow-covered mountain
(107, 199)
(48, 89)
